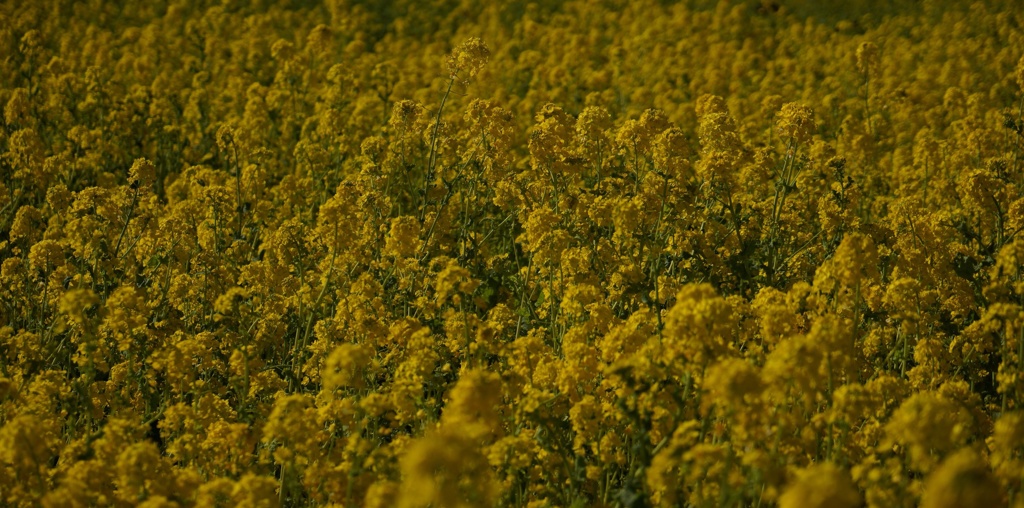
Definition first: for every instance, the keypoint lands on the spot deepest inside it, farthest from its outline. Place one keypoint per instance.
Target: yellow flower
(27, 442)
(731, 381)
(962, 480)
(867, 58)
(46, 255)
(345, 367)
(76, 304)
(1005, 444)
(928, 426)
(142, 174)
(473, 405)
(453, 282)
(404, 239)
(446, 469)
(142, 471)
(821, 485)
(700, 327)
(27, 223)
(670, 153)
(796, 122)
(467, 59)
(382, 494)
(17, 110)
(406, 115)
(256, 491)
(292, 430)
(1020, 74)
(320, 39)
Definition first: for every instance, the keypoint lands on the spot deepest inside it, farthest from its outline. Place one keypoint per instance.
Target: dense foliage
(584, 253)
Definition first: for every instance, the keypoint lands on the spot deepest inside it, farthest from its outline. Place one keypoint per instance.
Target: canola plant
(620, 253)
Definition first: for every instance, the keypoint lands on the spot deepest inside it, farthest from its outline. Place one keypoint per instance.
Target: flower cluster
(522, 254)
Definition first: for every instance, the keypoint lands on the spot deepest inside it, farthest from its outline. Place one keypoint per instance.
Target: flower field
(452, 253)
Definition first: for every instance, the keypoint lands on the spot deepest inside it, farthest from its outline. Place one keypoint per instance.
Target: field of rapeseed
(621, 253)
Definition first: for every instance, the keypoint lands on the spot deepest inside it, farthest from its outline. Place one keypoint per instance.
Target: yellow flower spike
(962, 480)
(320, 39)
(467, 59)
(142, 174)
(795, 122)
(730, 382)
(928, 426)
(867, 58)
(16, 111)
(345, 367)
(26, 224)
(446, 469)
(473, 405)
(820, 486)
(404, 238)
(27, 442)
(700, 327)
(1020, 74)
(406, 114)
